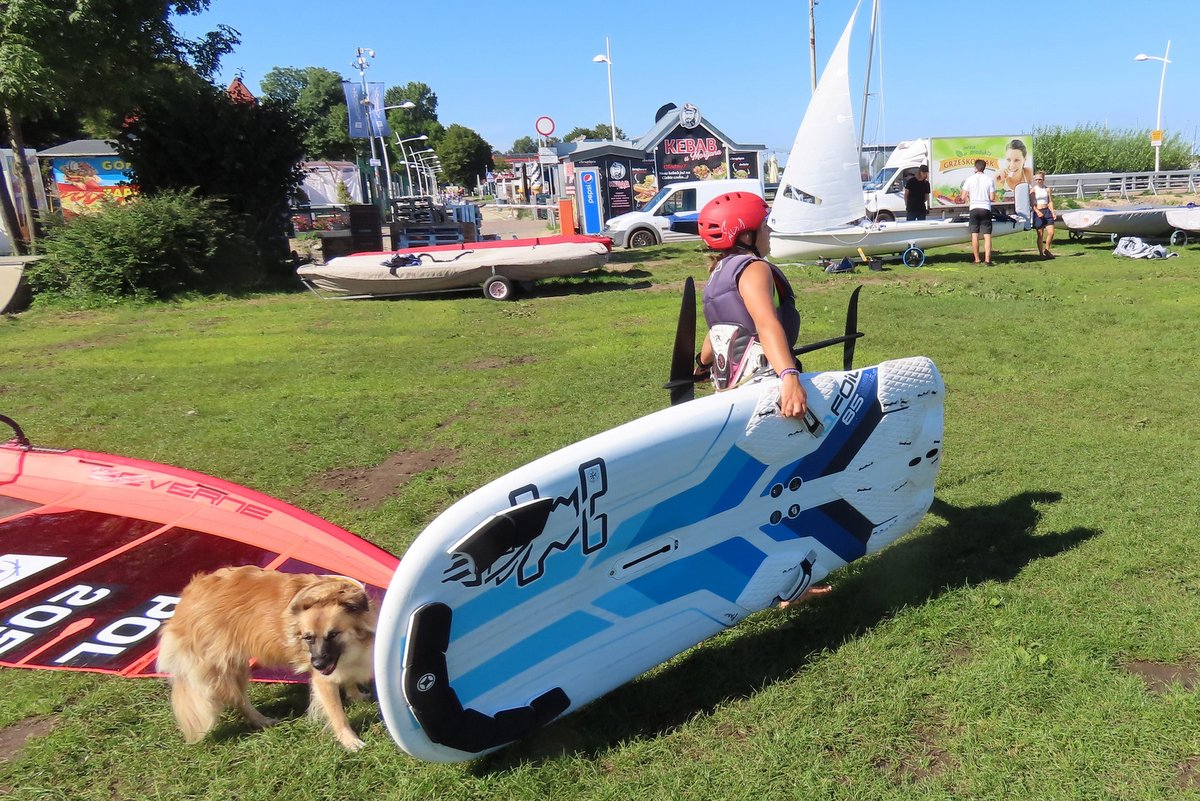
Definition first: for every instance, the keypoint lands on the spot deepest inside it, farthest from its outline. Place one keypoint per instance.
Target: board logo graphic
(516, 543)
(15, 567)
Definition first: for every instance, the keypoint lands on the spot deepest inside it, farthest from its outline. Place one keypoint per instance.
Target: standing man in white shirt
(981, 192)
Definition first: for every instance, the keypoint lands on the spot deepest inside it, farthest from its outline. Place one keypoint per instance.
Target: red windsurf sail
(95, 549)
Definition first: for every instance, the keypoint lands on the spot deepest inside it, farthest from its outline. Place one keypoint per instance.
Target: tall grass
(1096, 148)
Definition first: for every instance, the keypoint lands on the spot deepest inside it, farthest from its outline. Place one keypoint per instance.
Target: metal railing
(551, 210)
(1124, 184)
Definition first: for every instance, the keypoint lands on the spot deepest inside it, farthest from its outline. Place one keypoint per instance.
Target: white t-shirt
(977, 188)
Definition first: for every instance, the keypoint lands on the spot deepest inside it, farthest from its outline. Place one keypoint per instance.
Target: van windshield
(658, 196)
(880, 180)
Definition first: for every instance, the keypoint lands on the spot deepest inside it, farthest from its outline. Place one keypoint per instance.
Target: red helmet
(723, 218)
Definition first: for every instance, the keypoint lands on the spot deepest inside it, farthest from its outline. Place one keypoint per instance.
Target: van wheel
(498, 288)
(641, 238)
(884, 216)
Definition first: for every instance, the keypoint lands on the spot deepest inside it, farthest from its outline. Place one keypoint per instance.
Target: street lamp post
(1164, 58)
(606, 59)
(387, 168)
(360, 62)
(408, 160)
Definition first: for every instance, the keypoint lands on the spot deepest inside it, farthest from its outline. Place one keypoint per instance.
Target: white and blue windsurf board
(572, 575)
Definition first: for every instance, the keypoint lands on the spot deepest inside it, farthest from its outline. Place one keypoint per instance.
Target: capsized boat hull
(879, 238)
(1141, 221)
(447, 267)
(1186, 218)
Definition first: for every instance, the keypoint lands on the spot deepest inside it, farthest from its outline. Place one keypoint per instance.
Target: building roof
(239, 92)
(80, 148)
(637, 148)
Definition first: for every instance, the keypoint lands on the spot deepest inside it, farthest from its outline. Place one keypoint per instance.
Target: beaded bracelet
(789, 371)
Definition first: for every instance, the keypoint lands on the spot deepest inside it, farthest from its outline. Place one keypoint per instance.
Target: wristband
(789, 371)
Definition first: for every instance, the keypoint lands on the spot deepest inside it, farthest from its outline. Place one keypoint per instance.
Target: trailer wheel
(1179, 238)
(498, 288)
(1075, 236)
(913, 257)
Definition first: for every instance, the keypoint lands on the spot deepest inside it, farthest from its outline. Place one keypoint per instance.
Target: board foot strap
(436, 706)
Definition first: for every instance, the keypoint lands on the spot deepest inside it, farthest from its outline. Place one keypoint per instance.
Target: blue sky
(949, 67)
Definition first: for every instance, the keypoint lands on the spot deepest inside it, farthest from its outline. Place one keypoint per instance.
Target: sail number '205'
(114, 639)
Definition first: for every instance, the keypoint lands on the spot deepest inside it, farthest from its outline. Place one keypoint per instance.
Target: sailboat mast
(812, 42)
(862, 125)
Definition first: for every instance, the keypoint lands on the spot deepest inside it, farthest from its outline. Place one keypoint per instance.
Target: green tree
(527, 144)
(42, 43)
(601, 132)
(464, 154)
(320, 103)
(192, 136)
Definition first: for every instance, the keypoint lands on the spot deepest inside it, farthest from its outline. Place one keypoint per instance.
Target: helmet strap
(753, 244)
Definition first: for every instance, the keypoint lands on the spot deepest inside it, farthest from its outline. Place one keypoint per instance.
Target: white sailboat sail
(818, 210)
(821, 186)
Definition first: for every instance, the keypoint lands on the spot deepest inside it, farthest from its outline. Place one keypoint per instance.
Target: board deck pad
(574, 574)
(95, 549)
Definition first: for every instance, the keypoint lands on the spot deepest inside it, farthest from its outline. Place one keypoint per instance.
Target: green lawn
(997, 652)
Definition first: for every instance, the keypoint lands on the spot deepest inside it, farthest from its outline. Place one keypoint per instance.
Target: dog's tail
(196, 710)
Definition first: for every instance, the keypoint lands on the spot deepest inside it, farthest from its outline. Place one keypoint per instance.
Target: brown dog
(320, 625)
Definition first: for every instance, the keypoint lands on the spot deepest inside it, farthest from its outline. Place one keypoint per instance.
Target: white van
(671, 215)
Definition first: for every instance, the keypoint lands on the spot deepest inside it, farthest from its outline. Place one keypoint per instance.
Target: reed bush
(1096, 148)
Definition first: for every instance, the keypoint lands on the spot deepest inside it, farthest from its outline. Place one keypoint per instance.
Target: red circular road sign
(544, 126)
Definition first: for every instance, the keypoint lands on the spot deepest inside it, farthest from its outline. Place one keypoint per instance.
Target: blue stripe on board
(730, 481)
(842, 442)
(493, 601)
(534, 649)
(624, 601)
(837, 525)
(723, 569)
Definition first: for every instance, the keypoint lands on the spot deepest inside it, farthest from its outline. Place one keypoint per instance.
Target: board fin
(682, 381)
(847, 339)
(436, 705)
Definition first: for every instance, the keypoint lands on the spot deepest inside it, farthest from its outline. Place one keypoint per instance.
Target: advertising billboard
(84, 182)
(1009, 161)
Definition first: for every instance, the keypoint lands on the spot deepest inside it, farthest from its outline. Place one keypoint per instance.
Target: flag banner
(364, 109)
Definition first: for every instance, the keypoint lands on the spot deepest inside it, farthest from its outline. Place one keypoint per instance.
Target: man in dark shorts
(916, 194)
(980, 191)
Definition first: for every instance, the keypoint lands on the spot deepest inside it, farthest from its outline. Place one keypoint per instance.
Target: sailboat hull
(878, 239)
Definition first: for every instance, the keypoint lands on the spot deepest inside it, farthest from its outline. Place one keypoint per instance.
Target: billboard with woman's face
(1009, 161)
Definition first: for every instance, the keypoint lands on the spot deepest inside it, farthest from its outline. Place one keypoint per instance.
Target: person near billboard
(981, 193)
(916, 194)
(1014, 169)
(1041, 197)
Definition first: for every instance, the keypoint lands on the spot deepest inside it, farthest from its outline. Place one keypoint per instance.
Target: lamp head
(1141, 57)
(601, 59)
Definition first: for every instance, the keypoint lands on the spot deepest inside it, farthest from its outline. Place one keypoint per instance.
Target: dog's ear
(354, 599)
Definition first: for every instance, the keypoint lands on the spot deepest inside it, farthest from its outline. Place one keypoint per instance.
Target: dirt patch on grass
(496, 362)
(1160, 677)
(369, 487)
(1187, 773)
(925, 760)
(14, 737)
